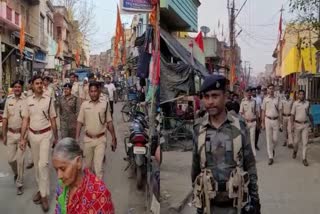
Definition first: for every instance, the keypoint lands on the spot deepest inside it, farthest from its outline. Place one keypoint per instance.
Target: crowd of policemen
(224, 174)
(30, 118)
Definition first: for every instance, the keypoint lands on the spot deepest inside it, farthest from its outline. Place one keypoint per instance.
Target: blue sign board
(40, 56)
(137, 5)
(315, 112)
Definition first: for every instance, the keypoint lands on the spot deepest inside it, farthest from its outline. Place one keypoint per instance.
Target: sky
(105, 21)
(259, 21)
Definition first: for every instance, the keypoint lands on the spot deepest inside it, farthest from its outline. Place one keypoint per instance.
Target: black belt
(272, 118)
(286, 115)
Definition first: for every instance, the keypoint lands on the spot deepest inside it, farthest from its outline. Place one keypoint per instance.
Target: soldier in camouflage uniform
(223, 166)
(69, 109)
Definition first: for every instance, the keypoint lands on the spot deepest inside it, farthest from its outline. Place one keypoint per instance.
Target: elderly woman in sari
(78, 190)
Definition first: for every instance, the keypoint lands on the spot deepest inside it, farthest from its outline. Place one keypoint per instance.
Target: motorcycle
(137, 148)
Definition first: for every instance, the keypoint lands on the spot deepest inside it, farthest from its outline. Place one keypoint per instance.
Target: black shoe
(290, 146)
(257, 148)
(305, 162)
(284, 144)
(274, 153)
(270, 161)
(294, 155)
(30, 166)
(15, 178)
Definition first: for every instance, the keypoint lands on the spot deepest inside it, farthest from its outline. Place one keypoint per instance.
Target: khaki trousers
(94, 150)
(15, 156)
(287, 128)
(272, 133)
(301, 134)
(252, 130)
(40, 148)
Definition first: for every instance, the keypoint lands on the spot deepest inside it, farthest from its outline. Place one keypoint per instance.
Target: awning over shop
(178, 51)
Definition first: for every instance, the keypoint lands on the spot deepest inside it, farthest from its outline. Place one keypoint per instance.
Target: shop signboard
(315, 112)
(134, 6)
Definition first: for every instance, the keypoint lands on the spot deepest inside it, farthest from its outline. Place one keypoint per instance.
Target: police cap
(68, 85)
(20, 82)
(213, 82)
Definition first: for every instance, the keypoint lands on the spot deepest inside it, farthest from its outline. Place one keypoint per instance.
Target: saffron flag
(22, 40)
(199, 41)
(119, 35)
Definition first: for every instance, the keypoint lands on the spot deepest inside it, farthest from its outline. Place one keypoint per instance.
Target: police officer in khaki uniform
(11, 129)
(39, 119)
(301, 119)
(95, 116)
(249, 111)
(287, 103)
(271, 114)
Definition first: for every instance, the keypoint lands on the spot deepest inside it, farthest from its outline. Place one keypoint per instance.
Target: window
(48, 25)
(42, 20)
(9, 13)
(16, 20)
(59, 33)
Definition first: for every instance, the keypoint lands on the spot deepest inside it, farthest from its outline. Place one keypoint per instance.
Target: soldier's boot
(270, 161)
(45, 204)
(290, 146)
(294, 155)
(30, 165)
(305, 162)
(285, 143)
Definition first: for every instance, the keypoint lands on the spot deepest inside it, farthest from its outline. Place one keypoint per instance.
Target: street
(286, 187)
(126, 198)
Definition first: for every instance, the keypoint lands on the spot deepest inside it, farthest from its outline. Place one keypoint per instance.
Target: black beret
(259, 87)
(68, 85)
(213, 82)
(249, 89)
(20, 82)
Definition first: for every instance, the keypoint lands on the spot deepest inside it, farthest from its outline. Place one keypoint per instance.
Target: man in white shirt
(111, 91)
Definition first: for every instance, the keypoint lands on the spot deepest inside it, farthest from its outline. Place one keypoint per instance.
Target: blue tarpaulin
(315, 112)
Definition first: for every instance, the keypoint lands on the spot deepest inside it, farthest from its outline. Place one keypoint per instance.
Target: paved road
(287, 187)
(126, 198)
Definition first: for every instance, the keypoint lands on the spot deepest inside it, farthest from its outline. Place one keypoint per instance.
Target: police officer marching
(302, 119)
(224, 173)
(95, 116)
(39, 119)
(271, 114)
(287, 103)
(249, 111)
(11, 129)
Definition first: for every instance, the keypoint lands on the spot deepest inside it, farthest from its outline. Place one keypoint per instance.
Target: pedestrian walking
(287, 103)
(95, 116)
(69, 108)
(75, 85)
(249, 111)
(11, 129)
(302, 120)
(78, 190)
(271, 109)
(39, 119)
(47, 87)
(257, 97)
(216, 164)
(111, 92)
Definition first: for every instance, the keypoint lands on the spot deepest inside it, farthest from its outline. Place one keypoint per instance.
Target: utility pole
(232, 41)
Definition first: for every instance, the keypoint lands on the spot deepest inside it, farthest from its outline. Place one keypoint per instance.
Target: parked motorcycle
(137, 148)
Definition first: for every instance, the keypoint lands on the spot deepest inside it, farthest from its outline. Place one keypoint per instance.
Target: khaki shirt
(75, 89)
(85, 92)
(249, 108)
(300, 110)
(271, 106)
(49, 92)
(287, 106)
(95, 116)
(39, 112)
(13, 111)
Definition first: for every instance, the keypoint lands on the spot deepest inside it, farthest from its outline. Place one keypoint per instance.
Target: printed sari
(92, 197)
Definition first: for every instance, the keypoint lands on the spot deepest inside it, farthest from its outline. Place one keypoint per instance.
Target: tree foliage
(307, 13)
